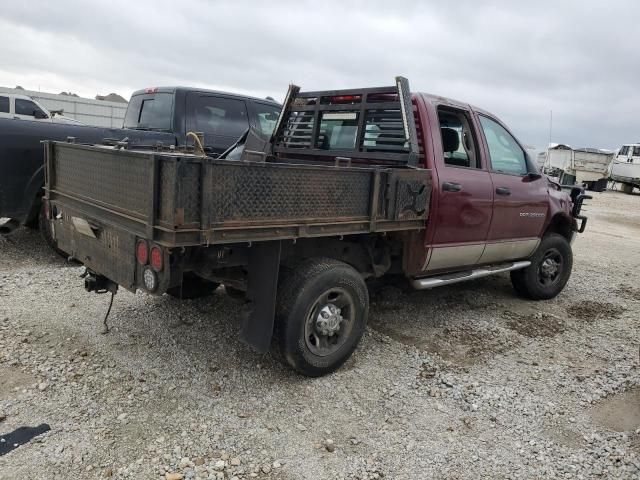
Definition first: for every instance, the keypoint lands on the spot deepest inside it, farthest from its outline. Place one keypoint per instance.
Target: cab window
(458, 142)
(222, 120)
(267, 117)
(27, 107)
(624, 150)
(636, 151)
(4, 104)
(505, 153)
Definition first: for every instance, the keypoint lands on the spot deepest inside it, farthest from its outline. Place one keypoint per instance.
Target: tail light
(345, 98)
(142, 252)
(157, 258)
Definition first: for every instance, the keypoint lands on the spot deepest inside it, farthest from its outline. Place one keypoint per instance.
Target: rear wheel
(549, 271)
(321, 315)
(193, 286)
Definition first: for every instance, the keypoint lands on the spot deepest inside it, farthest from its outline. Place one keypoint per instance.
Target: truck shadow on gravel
(25, 246)
(459, 323)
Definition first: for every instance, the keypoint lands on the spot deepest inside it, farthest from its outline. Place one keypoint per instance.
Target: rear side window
(636, 151)
(222, 120)
(4, 104)
(458, 142)
(506, 155)
(267, 117)
(27, 107)
(150, 112)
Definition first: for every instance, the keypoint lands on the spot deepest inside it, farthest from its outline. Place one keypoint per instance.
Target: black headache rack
(362, 126)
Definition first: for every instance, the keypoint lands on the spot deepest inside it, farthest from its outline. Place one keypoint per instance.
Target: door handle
(503, 191)
(451, 187)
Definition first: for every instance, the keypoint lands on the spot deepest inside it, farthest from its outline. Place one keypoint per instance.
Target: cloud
(517, 60)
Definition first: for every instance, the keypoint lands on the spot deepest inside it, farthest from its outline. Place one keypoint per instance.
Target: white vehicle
(588, 167)
(23, 107)
(625, 168)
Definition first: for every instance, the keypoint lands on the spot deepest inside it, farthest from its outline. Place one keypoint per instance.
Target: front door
(520, 200)
(28, 110)
(465, 194)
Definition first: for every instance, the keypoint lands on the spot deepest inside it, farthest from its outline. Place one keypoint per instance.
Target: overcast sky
(518, 60)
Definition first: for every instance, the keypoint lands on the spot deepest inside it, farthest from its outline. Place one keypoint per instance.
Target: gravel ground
(464, 381)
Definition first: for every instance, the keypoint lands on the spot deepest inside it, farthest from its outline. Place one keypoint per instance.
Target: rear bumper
(105, 249)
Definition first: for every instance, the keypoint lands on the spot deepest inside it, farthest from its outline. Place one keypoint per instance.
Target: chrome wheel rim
(550, 268)
(329, 322)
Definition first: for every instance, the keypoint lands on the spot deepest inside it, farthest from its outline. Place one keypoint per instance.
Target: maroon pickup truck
(354, 186)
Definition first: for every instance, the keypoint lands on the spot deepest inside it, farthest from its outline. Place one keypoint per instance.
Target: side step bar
(449, 278)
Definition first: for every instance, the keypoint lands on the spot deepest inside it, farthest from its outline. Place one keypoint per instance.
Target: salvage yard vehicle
(23, 107)
(352, 186)
(154, 115)
(625, 168)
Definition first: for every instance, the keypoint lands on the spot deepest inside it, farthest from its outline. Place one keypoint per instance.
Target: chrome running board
(449, 278)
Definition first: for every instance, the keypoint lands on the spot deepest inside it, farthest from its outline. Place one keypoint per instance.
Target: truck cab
(221, 117)
(491, 203)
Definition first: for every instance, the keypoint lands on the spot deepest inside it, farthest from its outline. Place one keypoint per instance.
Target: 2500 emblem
(531, 214)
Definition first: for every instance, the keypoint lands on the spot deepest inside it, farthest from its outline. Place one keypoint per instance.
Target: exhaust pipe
(8, 225)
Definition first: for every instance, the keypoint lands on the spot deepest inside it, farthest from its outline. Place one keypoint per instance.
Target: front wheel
(549, 271)
(321, 315)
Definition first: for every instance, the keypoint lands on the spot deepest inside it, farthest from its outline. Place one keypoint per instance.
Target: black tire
(549, 271)
(46, 233)
(319, 286)
(192, 287)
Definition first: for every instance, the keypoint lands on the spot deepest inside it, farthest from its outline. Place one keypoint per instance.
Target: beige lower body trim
(481, 253)
(451, 257)
(509, 250)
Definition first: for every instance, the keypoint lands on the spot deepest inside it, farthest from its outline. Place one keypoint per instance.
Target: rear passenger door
(465, 194)
(520, 200)
(222, 119)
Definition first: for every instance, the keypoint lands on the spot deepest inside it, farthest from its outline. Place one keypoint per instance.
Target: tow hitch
(100, 284)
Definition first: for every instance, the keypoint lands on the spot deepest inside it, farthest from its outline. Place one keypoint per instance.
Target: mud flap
(264, 264)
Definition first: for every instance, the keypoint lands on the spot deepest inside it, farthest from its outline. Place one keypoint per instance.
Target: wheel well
(34, 211)
(561, 225)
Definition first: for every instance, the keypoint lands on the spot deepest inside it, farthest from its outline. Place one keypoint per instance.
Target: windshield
(150, 112)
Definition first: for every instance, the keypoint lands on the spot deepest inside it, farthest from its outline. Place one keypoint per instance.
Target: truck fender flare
(562, 224)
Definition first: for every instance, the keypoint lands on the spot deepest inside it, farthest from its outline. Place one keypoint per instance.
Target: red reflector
(142, 252)
(156, 258)
(151, 90)
(346, 98)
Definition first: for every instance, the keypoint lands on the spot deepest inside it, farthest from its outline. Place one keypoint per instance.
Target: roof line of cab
(200, 90)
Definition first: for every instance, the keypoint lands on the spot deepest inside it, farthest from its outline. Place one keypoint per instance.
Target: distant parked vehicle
(625, 168)
(154, 116)
(588, 167)
(23, 107)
